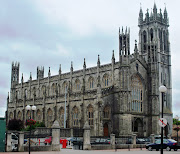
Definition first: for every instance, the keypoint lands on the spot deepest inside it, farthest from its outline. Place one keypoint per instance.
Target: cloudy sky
(52, 32)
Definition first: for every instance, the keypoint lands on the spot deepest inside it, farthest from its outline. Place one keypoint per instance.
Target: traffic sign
(162, 122)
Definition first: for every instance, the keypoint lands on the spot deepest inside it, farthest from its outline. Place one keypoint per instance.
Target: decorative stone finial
(86, 125)
(55, 124)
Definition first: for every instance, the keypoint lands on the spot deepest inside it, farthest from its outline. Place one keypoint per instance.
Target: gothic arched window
(34, 92)
(54, 89)
(28, 114)
(136, 94)
(26, 93)
(75, 117)
(49, 117)
(17, 94)
(38, 115)
(43, 90)
(151, 34)
(107, 112)
(77, 84)
(65, 87)
(10, 115)
(91, 82)
(90, 115)
(61, 117)
(144, 40)
(106, 80)
(19, 116)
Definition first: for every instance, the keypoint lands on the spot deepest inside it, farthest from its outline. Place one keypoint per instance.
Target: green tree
(176, 122)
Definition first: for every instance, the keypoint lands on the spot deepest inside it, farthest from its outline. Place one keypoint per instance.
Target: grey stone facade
(121, 97)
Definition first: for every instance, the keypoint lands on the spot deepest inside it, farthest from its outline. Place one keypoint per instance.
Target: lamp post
(162, 90)
(177, 118)
(30, 108)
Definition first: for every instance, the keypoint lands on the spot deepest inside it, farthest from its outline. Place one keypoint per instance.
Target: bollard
(128, 147)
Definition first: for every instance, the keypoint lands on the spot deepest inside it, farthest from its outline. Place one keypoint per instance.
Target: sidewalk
(65, 151)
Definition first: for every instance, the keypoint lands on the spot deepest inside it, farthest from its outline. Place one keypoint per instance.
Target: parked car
(101, 141)
(138, 141)
(168, 144)
(74, 139)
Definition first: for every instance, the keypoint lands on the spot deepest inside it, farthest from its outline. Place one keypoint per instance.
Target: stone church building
(121, 97)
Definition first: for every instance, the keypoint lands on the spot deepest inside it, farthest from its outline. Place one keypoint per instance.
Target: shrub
(15, 124)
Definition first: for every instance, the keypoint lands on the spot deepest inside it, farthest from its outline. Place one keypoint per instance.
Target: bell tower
(14, 74)
(154, 46)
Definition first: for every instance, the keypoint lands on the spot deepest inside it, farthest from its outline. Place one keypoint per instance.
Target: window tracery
(90, 115)
(136, 94)
(75, 117)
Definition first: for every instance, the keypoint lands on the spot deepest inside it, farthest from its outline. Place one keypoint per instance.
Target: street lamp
(30, 108)
(162, 90)
(177, 118)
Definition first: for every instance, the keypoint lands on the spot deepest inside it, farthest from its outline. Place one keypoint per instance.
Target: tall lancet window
(136, 94)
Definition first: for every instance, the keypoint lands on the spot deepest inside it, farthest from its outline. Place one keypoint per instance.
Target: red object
(64, 143)
(174, 143)
(48, 140)
(39, 141)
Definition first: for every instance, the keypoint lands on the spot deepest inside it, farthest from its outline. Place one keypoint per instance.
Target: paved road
(121, 151)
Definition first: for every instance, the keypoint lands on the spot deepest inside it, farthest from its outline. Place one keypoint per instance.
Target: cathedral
(121, 97)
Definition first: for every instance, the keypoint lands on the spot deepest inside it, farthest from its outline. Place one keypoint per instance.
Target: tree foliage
(15, 124)
(176, 122)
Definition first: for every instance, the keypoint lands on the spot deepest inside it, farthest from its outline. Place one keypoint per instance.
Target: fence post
(152, 138)
(9, 144)
(86, 137)
(21, 142)
(55, 136)
(134, 139)
(112, 141)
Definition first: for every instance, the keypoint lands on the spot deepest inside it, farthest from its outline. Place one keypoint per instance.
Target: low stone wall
(117, 146)
(139, 146)
(38, 148)
(101, 147)
(124, 146)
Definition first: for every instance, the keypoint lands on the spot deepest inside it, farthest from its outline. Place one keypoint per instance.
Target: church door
(106, 129)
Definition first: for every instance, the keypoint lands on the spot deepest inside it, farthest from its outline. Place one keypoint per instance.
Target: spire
(140, 15)
(98, 62)
(119, 30)
(122, 30)
(22, 80)
(135, 48)
(8, 96)
(160, 15)
(147, 16)
(165, 13)
(71, 66)
(155, 10)
(113, 58)
(59, 69)
(30, 78)
(84, 66)
(49, 73)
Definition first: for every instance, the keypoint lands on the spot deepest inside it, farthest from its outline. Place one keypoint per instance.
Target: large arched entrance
(106, 129)
(138, 127)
